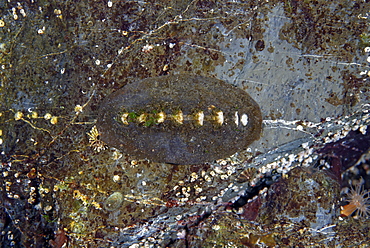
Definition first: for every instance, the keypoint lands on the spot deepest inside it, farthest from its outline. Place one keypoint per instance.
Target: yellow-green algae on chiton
(179, 119)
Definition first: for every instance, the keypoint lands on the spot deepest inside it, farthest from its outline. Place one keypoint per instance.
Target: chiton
(179, 119)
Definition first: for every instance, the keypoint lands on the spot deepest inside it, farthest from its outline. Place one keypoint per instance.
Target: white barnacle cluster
(183, 192)
(178, 117)
(304, 155)
(20, 9)
(195, 188)
(147, 48)
(12, 182)
(340, 128)
(225, 172)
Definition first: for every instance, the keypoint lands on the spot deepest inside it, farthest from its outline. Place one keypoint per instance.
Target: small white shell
(114, 201)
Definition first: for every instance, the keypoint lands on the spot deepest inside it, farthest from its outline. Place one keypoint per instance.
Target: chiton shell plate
(179, 119)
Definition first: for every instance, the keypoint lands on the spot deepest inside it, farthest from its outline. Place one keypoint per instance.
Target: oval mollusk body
(179, 119)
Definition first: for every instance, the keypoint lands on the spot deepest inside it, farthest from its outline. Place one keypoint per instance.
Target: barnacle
(114, 201)
(246, 175)
(359, 200)
(94, 139)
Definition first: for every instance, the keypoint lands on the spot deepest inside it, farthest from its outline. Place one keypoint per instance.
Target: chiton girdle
(179, 119)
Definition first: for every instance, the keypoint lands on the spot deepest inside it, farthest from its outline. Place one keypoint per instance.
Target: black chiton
(179, 119)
